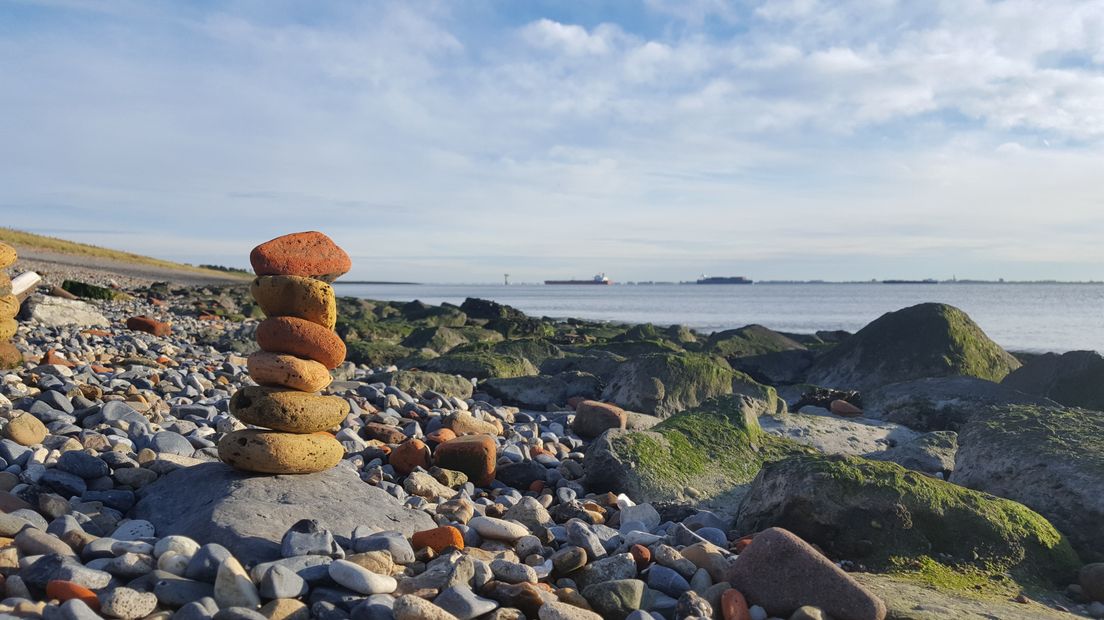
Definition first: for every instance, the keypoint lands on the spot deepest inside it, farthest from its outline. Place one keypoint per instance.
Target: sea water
(1020, 317)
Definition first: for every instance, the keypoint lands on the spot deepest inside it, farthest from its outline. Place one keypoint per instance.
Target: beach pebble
(359, 579)
(498, 529)
(127, 603)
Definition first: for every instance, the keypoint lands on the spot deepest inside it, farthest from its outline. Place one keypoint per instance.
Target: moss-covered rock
(1048, 458)
(445, 315)
(538, 392)
(444, 339)
(486, 309)
(416, 382)
(374, 353)
(1074, 379)
(942, 403)
(636, 348)
(535, 350)
(927, 340)
(91, 291)
(666, 383)
(602, 364)
(481, 365)
(712, 449)
(749, 340)
(879, 513)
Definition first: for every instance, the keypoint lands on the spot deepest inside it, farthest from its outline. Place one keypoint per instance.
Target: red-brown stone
(592, 418)
(384, 432)
(734, 606)
(408, 455)
(149, 325)
(302, 338)
(475, 455)
(10, 356)
(309, 254)
(844, 408)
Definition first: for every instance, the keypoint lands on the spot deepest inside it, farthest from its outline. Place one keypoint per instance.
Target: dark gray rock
(537, 392)
(1075, 379)
(249, 514)
(942, 403)
(82, 464)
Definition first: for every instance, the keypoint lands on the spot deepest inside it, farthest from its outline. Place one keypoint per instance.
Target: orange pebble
(642, 555)
(438, 539)
(66, 590)
(734, 606)
(408, 455)
(537, 486)
(441, 435)
(741, 544)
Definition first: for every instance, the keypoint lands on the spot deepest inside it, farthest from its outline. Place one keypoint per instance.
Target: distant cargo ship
(598, 279)
(724, 280)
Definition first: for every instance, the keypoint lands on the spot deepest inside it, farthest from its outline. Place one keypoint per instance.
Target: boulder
(926, 340)
(601, 364)
(930, 453)
(444, 339)
(712, 449)
(777, 557)
(874, 512)
(249, 514)
(749, 340)
(539, 391)
(1048, 458)
(665, 383)
(375, 354)
(913, 597)
(91, 291)
(481, 365)
(780, 367)
(941, 403)
(832, 434)
(1074, 379)
(55, 312)
(417, 382)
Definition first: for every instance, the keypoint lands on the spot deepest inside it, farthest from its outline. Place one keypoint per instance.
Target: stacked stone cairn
(9, 307)
(298, 349)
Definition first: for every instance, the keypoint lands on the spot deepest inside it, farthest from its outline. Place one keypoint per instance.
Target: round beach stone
(475, 455)
(286, 609)
(408, 455)
(592, 418)
(305, 298)
(287, 410)
(8, 256)
(498, 529)
(411, 607)
(310, 254)
(299, 337)
(272, 452)
(234, 587)
(279, 369)
(564, 611)
(9, 306)
(361, 580)
(8, 328)
(127, 603)
(10, 356)
(843, 408)
(25, 430)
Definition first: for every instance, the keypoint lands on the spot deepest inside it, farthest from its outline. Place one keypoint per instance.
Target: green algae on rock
(877, 512)
(665, 383)
(926, 340)
(711, 449)
(1048, 458)
(417, 382)
(749, 340)
(481, 365)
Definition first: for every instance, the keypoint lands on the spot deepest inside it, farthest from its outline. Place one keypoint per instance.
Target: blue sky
(455, 141)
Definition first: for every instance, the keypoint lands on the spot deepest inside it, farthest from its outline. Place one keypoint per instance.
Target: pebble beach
(437, 500)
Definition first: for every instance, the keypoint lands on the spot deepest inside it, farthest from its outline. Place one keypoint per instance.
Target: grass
(21, 239)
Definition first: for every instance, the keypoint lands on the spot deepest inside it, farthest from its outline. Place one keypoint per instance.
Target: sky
(651, 140)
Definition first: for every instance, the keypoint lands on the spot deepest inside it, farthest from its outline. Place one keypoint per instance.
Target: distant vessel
(598, 279)
(927, 281)
(724, 280)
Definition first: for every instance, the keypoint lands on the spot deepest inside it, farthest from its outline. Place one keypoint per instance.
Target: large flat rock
(249, 513)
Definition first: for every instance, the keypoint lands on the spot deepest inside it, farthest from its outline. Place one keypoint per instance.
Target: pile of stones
(298, 349)
(9, 307)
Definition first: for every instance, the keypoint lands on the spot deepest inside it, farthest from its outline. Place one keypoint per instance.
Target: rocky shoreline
(502, 466)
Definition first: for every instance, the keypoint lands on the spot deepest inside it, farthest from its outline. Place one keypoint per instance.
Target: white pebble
(359, 579)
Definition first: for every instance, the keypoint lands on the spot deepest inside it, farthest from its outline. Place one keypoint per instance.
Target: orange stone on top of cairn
(308, 254)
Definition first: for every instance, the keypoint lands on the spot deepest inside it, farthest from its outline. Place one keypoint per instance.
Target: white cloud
(786, 132)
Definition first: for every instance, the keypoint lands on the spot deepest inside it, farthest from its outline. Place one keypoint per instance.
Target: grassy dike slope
(30, 241)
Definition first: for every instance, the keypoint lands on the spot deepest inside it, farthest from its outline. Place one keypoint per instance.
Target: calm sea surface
(1020, 317)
